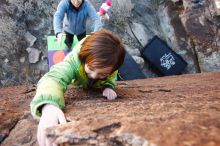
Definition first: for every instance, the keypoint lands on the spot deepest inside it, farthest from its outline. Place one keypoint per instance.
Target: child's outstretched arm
(51, 87)
(49, 99)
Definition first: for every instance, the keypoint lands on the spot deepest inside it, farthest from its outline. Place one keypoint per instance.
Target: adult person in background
(77, 12)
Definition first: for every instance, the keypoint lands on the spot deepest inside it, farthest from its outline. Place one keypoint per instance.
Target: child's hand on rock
(109, 93)
(51, 116)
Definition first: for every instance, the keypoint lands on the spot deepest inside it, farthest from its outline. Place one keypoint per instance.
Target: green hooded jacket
(52, 86)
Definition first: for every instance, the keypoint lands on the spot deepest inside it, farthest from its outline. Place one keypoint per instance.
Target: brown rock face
(183, 110)
(17, 125)
(168, 111)
(200, 23)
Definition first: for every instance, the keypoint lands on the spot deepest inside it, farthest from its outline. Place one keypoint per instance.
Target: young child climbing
(93, 63)
(103, 10)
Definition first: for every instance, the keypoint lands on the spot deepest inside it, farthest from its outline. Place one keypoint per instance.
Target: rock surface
(190, 28)
(167, 111)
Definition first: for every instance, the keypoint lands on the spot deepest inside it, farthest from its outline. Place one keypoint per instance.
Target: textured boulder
(167, 111)
(190, 28)
(204, 33)
(153, 112)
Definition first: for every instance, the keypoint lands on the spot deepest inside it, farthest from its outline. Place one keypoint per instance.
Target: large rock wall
(24, 27)
(202, 26)
(191, 28)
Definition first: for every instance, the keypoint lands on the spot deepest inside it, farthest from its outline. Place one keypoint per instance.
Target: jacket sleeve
(95, 18)
(51, 87)
(59, 16)
(110, 81)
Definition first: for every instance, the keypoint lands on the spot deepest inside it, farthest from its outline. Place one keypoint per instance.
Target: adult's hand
(51, 116)
(59, 38)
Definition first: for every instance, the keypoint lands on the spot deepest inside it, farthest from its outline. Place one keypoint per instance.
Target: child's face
(98, 73)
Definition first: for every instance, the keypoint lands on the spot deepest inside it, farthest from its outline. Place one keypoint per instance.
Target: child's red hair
(102, 49)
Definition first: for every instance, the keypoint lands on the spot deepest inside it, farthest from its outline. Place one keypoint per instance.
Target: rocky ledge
(167, 111)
